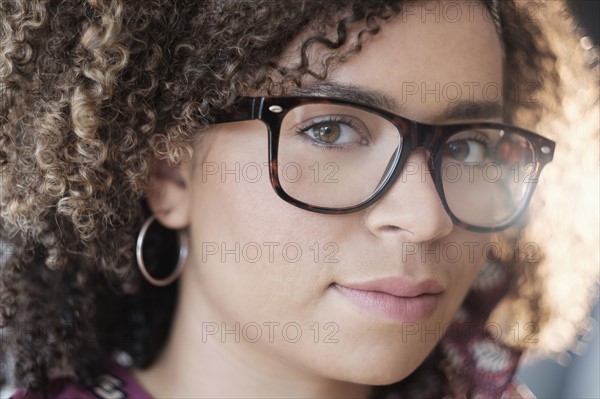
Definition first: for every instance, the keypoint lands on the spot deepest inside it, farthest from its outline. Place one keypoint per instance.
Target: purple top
(116, 382)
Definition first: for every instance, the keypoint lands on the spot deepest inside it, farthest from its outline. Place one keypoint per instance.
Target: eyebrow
(459, 110)
(351, 93)
(473, 110)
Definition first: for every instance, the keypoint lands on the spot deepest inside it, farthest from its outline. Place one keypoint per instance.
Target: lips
(399, 287)
(393, 299)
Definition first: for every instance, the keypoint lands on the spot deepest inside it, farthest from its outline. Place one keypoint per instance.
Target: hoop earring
(183, 252)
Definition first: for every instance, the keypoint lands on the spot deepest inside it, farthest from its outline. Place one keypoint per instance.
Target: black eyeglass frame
(272, 110)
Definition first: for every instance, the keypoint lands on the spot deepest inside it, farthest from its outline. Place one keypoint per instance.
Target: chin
(370, 373)
(386, 377)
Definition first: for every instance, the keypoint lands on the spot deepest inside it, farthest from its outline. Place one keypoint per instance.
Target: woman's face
(263, 277)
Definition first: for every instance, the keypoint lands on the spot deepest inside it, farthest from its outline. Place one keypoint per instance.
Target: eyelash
(301, 130)
(476, 136)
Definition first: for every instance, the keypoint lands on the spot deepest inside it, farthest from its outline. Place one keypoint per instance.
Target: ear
(169, 193)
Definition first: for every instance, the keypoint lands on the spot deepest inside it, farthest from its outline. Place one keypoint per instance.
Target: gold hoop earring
(183, 252)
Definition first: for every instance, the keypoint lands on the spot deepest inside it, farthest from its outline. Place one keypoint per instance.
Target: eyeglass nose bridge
(421, 136)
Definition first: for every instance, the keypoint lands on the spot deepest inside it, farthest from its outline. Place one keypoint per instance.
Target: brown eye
(469, 150)
(335, 131)
(458, 150)
(326, 132)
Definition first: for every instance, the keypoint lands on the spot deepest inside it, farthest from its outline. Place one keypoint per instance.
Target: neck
(196, 364)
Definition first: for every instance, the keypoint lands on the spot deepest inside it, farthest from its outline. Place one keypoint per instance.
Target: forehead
(426, 60)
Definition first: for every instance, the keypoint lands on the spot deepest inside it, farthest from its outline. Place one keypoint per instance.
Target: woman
(252, 199)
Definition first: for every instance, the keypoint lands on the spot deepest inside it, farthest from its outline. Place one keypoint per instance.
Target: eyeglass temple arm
(246, 108)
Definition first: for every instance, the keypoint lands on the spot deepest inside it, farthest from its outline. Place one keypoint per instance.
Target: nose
(411, 209)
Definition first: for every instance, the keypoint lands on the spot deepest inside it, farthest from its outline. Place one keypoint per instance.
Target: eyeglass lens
(336, 156)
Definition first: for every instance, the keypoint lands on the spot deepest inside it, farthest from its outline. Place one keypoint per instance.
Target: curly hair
(93, 90)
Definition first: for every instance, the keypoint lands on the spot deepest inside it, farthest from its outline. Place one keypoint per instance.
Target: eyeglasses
(333, 156)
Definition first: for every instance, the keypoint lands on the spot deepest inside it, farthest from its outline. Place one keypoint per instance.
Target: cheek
(248, 242)
(463, 254)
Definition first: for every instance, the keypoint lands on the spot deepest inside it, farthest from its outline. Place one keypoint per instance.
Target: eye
(467, 150)
(334, 131)
(326, 132)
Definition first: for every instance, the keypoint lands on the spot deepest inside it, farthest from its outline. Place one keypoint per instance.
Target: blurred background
(573, 374)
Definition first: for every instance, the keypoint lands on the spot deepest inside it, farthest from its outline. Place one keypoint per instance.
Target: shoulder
(117, 382)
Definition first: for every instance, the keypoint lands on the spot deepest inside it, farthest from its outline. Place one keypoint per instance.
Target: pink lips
(394, 299)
